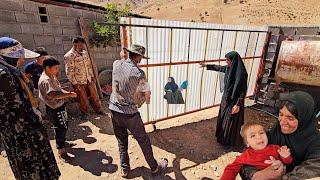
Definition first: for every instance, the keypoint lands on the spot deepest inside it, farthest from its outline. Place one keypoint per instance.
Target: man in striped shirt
(125, 115)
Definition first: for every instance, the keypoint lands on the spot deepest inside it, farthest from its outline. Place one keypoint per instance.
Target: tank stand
(154, 127)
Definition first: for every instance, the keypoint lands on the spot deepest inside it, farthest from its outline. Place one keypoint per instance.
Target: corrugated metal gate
(176, 49)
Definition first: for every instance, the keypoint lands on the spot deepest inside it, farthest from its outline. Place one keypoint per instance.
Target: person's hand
(275, 171)
(235, 109)
(269, 173)
(93, 80)
(284, 151)
(276, 165)
(202, 64)
(72, 94)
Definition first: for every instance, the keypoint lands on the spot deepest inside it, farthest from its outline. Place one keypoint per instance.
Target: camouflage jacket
(78, 67)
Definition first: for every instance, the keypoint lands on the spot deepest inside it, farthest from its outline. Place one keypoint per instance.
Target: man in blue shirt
(33, 71)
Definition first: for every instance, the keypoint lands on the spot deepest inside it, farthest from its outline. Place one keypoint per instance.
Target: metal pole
(255, 49)
(235, 41)
(147, 53)
(215, 91)
(204, 59)
(168, 27)
(170, 61)
(188, 57)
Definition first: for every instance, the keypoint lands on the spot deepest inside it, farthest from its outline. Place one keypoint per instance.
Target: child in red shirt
(259, 154)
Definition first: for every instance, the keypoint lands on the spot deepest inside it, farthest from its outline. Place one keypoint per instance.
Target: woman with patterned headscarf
(231, 113)
(25, 139)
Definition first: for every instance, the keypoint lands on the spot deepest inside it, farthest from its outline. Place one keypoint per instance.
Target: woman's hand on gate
(235, 109)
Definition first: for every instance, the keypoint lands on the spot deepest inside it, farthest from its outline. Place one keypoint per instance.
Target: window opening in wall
(43, 14)
(44, 19)
(42, 10)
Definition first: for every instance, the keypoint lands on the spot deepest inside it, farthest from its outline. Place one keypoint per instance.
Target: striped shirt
(125, 79)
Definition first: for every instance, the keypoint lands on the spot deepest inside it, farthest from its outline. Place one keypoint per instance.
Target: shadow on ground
(196, 141)
(94, 161)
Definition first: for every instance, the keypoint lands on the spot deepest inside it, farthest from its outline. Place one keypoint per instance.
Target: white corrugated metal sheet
(172, 45)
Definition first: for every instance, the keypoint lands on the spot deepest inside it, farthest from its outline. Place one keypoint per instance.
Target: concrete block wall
(20, 19)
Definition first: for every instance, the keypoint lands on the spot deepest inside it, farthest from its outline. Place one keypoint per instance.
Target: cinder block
(71, 31)
(89, 15)
(57, 10)
(60, 58)
(67, 39)
(58, 39)
(67, 47)
(288, 31)
(274, 30)
(100, 17)
(31, 28)
(309, 38)
(295, 38)
(54, 20)
(274, 38)
(27, 17)
(30, 6)
(307, 30)
(110, 49)
(100, 63)
(10, 28)
(69, 21)
(13, 5)
(52, 30)
(268, 65)
(43, 40)
(270, 55)
(110, 62)
(7, 16)
(55, 49)
(26, 40)
(72, 12)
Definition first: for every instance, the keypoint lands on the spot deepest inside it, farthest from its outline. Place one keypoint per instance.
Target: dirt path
(188, 142)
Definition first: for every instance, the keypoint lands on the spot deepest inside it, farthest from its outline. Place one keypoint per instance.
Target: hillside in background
(253, 12)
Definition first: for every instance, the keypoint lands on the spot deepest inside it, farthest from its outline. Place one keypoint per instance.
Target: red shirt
(254, 158)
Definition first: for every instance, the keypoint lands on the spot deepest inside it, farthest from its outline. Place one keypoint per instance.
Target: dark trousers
(59, 119)
(133, 123)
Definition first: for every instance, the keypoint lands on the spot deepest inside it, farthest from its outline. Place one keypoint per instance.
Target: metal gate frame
(125, 43)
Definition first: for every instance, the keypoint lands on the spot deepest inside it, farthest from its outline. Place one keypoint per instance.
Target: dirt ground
(187, 141)
(245, 12)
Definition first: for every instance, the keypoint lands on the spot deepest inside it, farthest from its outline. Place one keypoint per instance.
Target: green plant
(109, 32)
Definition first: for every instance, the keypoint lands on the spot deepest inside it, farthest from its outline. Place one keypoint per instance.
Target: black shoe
(125, 173)
(162, 167)
(65, 157)
(69, 144)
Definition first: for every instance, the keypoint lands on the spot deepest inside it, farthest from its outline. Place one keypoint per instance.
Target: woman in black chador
(231, 113)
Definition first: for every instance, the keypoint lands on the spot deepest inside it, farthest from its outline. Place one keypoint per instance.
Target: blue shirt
(35, 70)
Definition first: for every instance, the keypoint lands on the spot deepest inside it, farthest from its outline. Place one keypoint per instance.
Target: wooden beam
(85, 35)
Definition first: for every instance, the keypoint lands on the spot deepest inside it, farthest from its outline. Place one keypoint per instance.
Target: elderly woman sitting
(297, 129)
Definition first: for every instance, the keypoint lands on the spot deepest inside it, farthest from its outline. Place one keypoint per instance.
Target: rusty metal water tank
(299, 63)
